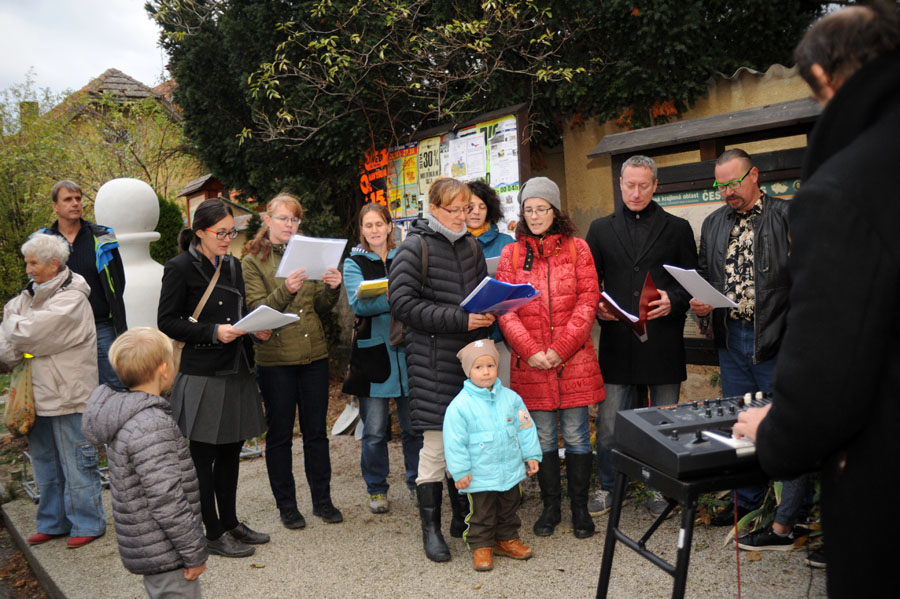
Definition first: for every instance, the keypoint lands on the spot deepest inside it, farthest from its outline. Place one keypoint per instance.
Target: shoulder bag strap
(208, 292)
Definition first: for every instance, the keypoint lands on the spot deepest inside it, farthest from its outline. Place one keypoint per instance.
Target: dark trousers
(285, 390)
(217, 472)
(493, 516)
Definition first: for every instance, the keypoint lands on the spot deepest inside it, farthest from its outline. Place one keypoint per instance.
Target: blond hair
(137, 354)
(445, 189)
(260, 246)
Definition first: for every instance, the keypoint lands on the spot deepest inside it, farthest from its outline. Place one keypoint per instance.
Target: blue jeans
(739, 376)
(65, 469)
(793, 497)
(373, 460)
(574, 425)
(618, 398)
(106, 334)
(285, 390)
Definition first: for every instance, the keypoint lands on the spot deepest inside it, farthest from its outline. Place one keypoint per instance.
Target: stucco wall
(587, 183)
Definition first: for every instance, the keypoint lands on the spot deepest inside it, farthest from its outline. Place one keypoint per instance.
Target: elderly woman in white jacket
(52, 320)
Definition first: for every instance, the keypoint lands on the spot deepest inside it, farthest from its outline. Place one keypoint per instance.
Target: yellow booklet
(372, 288)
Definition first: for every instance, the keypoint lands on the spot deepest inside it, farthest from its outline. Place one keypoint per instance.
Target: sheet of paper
(315, 254)
(264, 318)
(699, 288)
(608, 298)
(492, 265)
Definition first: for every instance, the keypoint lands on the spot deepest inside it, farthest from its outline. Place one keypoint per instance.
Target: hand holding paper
(263, 318)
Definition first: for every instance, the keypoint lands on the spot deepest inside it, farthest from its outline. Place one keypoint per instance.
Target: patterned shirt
(739, 285)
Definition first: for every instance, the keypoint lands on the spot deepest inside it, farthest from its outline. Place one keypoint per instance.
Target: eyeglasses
(454, 211)
(540, 211)
(286, 219)
(733, 184)
(223, 235)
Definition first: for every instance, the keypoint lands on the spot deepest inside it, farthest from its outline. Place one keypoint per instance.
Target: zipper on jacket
(550, 317)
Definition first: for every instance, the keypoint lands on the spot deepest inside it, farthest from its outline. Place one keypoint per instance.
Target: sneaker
(726, 516)
(245, 534)
(328, 513)
(292, 518)
(378, 504)
(600, 503)
(228, 546)
(816, 559)
(766, 539)
(657, 504)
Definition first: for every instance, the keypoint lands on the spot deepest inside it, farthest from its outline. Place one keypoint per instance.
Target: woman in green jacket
(293, 364)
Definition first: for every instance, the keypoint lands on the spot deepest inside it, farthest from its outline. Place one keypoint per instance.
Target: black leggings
(217, 472)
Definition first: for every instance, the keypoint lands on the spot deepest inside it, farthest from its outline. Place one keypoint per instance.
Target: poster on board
(399, 177)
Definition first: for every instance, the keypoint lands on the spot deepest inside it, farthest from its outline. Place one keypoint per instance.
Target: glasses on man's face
(540, 211)
(454, 211)
(733, 184)
(223, 235)
(286, 219)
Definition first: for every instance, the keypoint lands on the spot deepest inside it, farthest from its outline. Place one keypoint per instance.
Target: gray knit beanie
(540, 187)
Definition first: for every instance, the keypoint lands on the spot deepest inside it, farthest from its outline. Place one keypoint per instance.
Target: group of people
(789, 268)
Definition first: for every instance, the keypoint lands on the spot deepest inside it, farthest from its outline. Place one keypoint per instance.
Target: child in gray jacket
(155, 494)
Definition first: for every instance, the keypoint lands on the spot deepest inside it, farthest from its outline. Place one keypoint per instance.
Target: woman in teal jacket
(482, 215)
(372, 260)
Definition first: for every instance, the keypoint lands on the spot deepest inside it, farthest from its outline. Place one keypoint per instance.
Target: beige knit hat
(476, 349)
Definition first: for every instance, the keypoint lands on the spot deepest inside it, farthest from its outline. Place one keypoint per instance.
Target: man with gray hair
(836, 402)
(632, 242)
(95, 256)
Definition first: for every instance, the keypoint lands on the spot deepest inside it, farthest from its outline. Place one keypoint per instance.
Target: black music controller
(689, 439)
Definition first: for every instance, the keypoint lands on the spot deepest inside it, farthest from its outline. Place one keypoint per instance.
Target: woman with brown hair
(293, 364)
(215, 400)
(371, 259)
(554, 365)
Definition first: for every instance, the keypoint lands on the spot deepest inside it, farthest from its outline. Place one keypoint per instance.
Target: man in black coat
(638, 238)
(837, 402)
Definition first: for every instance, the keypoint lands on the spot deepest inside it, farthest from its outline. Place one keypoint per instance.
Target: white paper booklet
(264, 318)
(492, 265)
(315, 254)
(699, 288)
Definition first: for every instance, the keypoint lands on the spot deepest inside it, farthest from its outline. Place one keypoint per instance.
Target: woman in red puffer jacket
(554, 366)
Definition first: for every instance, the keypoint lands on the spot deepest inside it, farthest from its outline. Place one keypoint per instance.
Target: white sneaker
(378, 504)
(600, 503)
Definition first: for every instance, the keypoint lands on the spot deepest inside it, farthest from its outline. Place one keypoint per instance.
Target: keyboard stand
(679, 492)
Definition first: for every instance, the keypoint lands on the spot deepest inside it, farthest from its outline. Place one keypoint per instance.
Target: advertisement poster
(428, 162)
(400, 177)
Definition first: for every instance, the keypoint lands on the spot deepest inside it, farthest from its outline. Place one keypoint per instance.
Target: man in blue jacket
(95, 256)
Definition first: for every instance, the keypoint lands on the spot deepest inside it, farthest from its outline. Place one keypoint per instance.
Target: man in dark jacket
(836, 400)
(95, 256)
(632, 242)
(744, 248)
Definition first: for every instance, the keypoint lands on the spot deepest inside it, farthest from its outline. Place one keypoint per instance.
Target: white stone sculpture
(130, 207)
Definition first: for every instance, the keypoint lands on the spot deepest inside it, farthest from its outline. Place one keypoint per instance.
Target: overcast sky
(70, 42)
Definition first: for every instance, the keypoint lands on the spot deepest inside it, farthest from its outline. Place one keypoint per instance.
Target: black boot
(548, 477)
(430, 512)
(459, 505)
(578, 469)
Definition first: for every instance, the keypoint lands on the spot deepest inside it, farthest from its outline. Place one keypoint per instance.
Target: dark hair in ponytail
(208, 213)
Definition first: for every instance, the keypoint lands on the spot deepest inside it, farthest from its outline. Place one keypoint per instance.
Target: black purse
(369, 360)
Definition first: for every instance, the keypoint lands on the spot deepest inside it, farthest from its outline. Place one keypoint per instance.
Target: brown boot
(483, 559)
(512, 548)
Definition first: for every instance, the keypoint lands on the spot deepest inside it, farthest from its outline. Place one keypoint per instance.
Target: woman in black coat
(436, 329)
(215, 400)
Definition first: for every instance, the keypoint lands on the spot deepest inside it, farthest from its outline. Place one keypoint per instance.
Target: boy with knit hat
(489, 440)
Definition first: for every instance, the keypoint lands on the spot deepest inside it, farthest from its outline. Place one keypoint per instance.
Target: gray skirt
(218, 409)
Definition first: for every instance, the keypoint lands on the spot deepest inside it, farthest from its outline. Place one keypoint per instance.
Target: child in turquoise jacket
(489, 439)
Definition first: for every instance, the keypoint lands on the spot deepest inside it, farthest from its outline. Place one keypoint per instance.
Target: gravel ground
(381, 555)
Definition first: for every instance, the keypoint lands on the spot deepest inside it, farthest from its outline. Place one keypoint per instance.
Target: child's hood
(108, 410)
